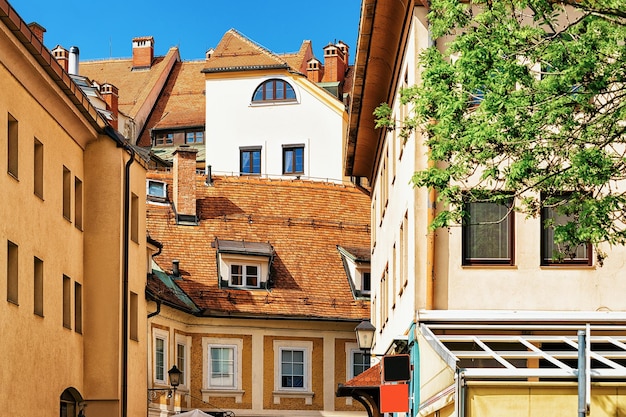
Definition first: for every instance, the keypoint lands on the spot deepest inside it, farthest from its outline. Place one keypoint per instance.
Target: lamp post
(365, 335)
(174, 376)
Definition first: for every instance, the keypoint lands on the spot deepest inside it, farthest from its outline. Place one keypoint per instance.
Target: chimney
(37, 30)
(345, 50)
(334, 67)
(110, 95)
(72, 65)
(143, 52)
(208, 53)
(314, 70)
(61, 55)
(185, 182)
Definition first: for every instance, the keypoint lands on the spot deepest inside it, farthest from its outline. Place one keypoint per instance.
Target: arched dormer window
(274, 90)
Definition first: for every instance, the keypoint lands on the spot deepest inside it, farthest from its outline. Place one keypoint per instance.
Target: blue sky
(103, 29)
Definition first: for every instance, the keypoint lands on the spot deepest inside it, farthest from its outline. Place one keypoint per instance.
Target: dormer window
(356, 262)
(274, 90)
(156, 190)
(244, 264)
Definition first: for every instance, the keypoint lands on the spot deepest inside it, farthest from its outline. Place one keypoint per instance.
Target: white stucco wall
(316, 120)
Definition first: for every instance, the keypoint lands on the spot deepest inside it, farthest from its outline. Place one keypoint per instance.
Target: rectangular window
(38, 286)
(159, 359)
(488, 234)
(293, 159)
(134, 218)
(244, 275)
(78, 204)
(78, 307)
(222, 366)
(12, 272)
(250, 160)
(156, 190)
(553, 253)
(404, 250)
(12, 151)
(134, 315)
(360, 362)
(67, 190)
(194, 137)
(366, 282)
(181, 360)
(38, 169)
(67, 300)
(292, 368)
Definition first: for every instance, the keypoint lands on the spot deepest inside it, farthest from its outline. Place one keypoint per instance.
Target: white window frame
(208, 390)
(186, 342)
(226, 260)
(303, 392)
(351, 349)
(244, 267)
(154, 196)
(162, 335)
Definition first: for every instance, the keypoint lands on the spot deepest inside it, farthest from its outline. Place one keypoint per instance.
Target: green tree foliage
(529, 99)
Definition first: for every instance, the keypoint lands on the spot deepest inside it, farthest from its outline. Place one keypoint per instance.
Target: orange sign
(394, 398)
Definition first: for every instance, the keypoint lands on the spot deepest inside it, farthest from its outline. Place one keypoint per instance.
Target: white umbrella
(194, 413)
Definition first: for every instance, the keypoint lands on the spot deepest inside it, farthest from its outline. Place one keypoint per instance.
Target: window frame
(351, 350)
(155, 197)
(294, 168)
(468, 260)
(547, 234)
(236, 344)
(263, 90)
(185, 342)
(195, 134)
(251, 151)
(244, 274)
(158, 334)
(306, 347)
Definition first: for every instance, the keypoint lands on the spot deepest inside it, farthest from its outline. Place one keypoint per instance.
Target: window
(194, 137)
(67, 299)
(12, 153)
(38, 286)
(553, 253)
(292, 368)
(366, 282)
(250, 160)
(160, 356)
(67, 184)
(134, 316)
(134, 218)
(274, 90)
(244, 275)
(360, 362)
(12, 272)
(293, 159)
(488, 234)
(78, 307)
(164, 139)
(222, 366)
(181, 361)
(38, 169)
(156, 190)
(78, 204)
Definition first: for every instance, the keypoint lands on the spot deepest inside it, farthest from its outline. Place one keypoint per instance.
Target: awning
(519, 352)
(364, 388)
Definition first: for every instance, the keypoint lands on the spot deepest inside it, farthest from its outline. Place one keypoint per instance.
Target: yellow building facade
(74, 192)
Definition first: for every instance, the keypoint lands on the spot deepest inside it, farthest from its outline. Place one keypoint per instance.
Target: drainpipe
(121, 142)
(430, 238)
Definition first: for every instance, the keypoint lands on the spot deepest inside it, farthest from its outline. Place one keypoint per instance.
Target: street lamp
(365, 335)
(174, 374)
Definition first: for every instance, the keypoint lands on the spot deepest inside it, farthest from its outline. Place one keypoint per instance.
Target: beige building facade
(74, 192)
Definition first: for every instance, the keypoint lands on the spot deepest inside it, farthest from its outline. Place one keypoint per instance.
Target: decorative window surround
(207, 390)
(304, 392)
(158, 334)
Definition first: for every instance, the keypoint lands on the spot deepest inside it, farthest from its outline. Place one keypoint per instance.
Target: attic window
(156, 190)
(356, 263)
(274, 90)
(244, 264)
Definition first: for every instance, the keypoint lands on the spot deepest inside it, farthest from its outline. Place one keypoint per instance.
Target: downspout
(131, 152)
(121, 142)
(430, 216)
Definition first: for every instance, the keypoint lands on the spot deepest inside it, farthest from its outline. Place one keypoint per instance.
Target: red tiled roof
(134, 86)
(298, 61)
(182, 102)
(368, 378)
(303, 221)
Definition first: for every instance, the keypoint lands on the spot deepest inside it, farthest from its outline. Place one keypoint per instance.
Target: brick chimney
(345, 50)
(185, 181)
(37, 30)
(143, 52)
(110, 95)
(334, 64)
(314, 70)
(62, 56)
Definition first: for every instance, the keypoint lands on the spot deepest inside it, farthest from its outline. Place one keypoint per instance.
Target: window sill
(235, 393)
(307, 395)
(567, 266)
(489, 266)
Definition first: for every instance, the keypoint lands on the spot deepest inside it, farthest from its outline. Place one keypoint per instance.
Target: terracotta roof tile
(303, 221)
(237, 52)
(368, 378)
(298, 61)
(133, 86)
(182, 102)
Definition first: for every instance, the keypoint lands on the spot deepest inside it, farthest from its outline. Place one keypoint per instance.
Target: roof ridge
(258, 46)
